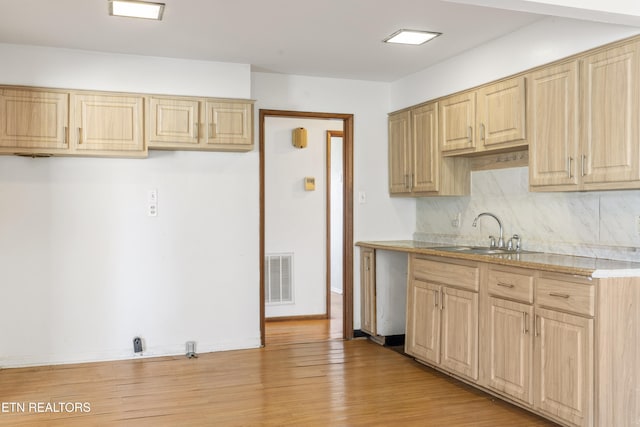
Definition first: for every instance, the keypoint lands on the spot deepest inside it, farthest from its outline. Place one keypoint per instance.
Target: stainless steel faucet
(501, 238)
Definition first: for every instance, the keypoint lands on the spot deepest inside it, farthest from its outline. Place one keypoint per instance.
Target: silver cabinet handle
(553, 294)
(569, 161)
(442, 299)
(505, 285)
(535, 326)
(482, 131)
(64, 136)
(470, 134)
(525, 328)
(79, 136)
(582, 159)
(435, 298)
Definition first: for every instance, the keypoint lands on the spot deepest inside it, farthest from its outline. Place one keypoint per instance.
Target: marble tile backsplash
(596, 224)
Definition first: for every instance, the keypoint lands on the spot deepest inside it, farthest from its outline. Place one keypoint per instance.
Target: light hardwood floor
(321, 382)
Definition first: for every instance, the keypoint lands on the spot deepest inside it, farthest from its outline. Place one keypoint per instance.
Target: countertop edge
(426, 248)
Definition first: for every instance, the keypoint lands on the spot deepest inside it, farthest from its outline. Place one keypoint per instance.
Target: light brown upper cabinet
(416, 166)
(584, 122)
(458, 122)
(108, 125)
(399, 153)
(553, 126)
(492, 117)
(182, 123)
(610, 118)
(229, 125)
(173, 122)
(33, 121)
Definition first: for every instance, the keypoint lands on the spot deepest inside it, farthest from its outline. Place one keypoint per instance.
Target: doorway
(346, 137)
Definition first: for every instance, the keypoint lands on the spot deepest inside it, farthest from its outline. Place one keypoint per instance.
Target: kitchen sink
(480, 250)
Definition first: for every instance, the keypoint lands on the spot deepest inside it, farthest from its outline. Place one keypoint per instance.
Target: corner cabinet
(182, 123)
(416, 167)
(584, 122)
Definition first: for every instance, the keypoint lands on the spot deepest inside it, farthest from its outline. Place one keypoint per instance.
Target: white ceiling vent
(278, 281)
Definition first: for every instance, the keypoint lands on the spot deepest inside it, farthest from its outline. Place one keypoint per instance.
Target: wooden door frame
(331, 134)
(347, 200)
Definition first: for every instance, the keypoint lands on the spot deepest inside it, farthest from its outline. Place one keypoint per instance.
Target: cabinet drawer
(563, 295)
(460, 276)
(511, 284)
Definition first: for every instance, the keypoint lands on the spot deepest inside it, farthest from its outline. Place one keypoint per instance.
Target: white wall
(295, 219)
(542, 42)
(84, 270)
(381, 217)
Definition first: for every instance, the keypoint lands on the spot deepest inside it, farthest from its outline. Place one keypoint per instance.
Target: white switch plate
(152, 202)
(362, 197)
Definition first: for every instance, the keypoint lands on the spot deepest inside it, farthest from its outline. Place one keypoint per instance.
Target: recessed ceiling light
(414, 37)
(136, 9)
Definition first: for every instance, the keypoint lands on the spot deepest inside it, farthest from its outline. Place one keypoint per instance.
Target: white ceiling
(329, 38)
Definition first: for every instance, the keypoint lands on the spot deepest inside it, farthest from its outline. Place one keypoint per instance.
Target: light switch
(362, 197)
(152, 202)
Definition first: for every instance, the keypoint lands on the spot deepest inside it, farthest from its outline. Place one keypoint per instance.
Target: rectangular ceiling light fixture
(136, 9)
(413, 37)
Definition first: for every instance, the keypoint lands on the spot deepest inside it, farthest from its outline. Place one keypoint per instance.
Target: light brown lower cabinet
(510, 349)
(442, 320)
(563, 346)
(368, 291)
(564, 366)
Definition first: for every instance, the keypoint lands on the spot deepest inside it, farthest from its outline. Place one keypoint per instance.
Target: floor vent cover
(278, 281)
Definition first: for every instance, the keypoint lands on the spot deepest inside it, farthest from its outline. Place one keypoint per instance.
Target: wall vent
(278, 281)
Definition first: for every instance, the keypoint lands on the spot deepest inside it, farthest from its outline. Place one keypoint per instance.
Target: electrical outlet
(455, 221)
(137, 345)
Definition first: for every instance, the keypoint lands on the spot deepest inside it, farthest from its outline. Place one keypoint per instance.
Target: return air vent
(278, 281)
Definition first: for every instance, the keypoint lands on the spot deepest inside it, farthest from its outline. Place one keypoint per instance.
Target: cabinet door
(368, 291)
(109, 124)
(423, 321)
(399, 153)
(611, 95)
(501, 114)
(553, 126)
(457, 122)
(564, 366)
(459, 337)
(34, 119)
(228, 125)
(426, 156)
(511, 348)
(173, 122)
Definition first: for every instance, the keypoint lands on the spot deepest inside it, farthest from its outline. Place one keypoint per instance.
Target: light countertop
(582, 266)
